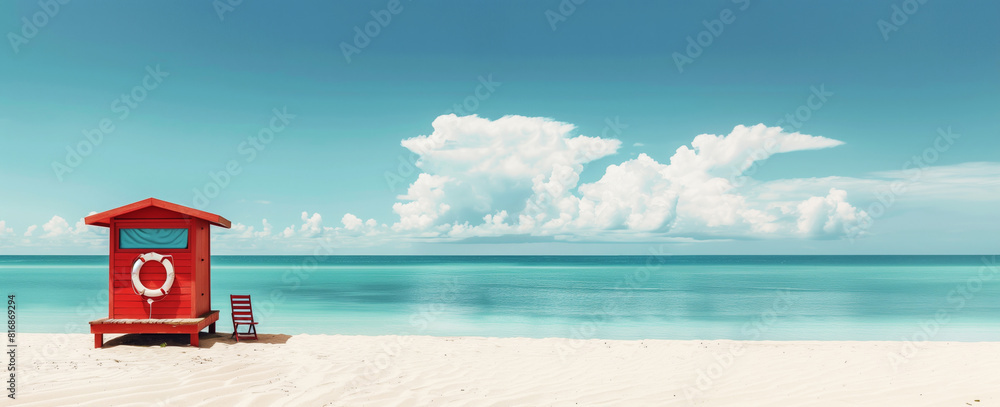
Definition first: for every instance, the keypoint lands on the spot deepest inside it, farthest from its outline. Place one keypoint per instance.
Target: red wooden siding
(179, 302)
(202, 292)
(151, 213)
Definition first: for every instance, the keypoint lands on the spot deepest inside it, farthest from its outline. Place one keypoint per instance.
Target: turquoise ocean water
(616, 297)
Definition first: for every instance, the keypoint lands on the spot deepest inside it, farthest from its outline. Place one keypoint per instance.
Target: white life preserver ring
(137, 267)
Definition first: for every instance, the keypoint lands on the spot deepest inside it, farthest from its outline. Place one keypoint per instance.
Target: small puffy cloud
(354, 226)
(312, 226)
(351, 222)
(4, 230)
(309, 236)
(58, 233)
(57, 226)
(828, 217)
(241, 230)
(247, 232)
(265, 229)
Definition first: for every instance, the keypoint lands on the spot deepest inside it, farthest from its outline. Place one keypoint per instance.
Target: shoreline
(59, 369)
(213, 338)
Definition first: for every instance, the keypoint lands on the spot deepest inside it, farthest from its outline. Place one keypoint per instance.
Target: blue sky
(535, 83)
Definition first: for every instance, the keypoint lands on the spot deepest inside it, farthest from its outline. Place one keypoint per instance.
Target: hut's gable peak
(153, 205)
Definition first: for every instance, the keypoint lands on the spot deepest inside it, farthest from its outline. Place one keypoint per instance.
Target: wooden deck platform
(189, 326)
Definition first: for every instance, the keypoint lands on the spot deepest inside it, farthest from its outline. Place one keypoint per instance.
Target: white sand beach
(321, 370)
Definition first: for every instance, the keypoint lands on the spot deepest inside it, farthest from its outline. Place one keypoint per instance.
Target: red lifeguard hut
(159, 276)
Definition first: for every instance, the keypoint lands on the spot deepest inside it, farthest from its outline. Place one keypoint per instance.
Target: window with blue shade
(152, 238)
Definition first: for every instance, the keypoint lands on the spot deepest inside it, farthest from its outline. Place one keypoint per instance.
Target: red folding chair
(243, 315)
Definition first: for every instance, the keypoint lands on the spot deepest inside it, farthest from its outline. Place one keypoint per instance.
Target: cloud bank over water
(516, 179)
(520, 176)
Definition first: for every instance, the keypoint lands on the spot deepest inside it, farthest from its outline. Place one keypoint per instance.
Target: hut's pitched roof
(104, 218)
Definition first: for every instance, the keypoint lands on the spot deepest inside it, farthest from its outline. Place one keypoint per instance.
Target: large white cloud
(520, 175)
(474, 167)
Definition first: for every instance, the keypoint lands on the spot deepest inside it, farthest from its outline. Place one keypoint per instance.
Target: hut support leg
(194, 339)
(211, 328)
(98, 340)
